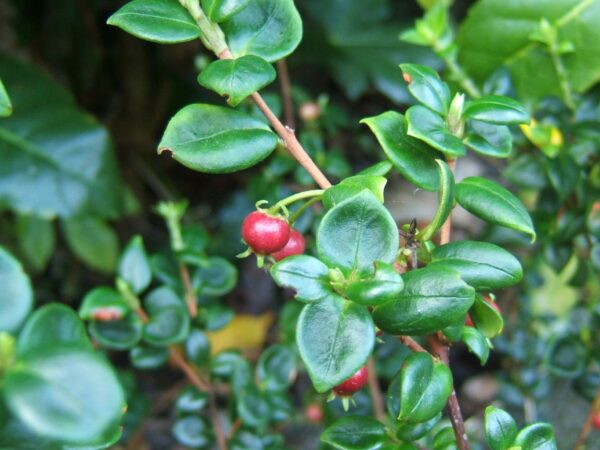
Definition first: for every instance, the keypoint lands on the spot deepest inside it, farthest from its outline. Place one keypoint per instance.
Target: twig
(375, 390)
(190, 297)
(587, 426)
(286, 93)
(412, 344)
(214, 415)
(189, 371)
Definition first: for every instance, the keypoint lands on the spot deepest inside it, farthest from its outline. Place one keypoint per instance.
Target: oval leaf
(355, 433)
(93, 241)
(385, 285)
(425, 85)
(446, 201)
(134, 266)
(219, 10)
(276, 368)
(306, 275)
(351, 186)
(476, 343)
(500, 428)
(16, 298)
(486, 318)
(122, 334)
(538, 436)
(430, 128)
(489, 140)
(497, 109)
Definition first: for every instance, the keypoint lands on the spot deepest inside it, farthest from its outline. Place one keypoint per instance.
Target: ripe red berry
(596, 421)
(265, 234)
(294, 246)
(353, 384)
(314, 413)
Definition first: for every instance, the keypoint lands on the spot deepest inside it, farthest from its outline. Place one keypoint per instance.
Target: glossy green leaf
(432, 299)
(237, 78)
(445, 439)
(215, 317)
(496, 109)
(162, 21)
(483, 265)
(356, 233)
(335, 338)
(134, 266)
(215, 139)
(68, 394)
(494, 204)
(191, 401)
(352, 186)
(16, 298)
(52, 325)
(306, 275)
(122, 334)
(446, 202)
(219, 10)
(216, 278)
(271, 29)
(488, 139)
(500, 428)
(486, 318)
(197, 347)
(566, 356)
(539, 436)
(386, 284)
(380, 169)
(432, 129)
(168, 325)
(146, 358)
(477, 343)
(253, 407)
(93, 241)
(354, 433)
(414, 159)
(425, 387)
(414, 431)
(276, 368)
(223, 364)
(5, 103)
(192, 431)
(425, 85)
(103, 300)
(37, 240)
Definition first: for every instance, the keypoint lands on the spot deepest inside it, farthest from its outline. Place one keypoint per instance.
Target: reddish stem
(190, 297)
(587, 426)
(286, 93)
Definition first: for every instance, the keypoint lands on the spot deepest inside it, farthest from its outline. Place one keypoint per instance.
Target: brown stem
(412, 344)
(288, 136)
(375, 390)
(142, 315)
(190, 297)
(189, 371)
(214, 416)
(286, 93)
(587, 426)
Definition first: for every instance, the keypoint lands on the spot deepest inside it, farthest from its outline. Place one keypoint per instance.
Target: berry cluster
(268, 235)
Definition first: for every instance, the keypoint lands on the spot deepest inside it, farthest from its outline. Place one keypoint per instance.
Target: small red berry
(294, 246)
(353, 384)
(596, 421)
(265, 234)
(314, 413)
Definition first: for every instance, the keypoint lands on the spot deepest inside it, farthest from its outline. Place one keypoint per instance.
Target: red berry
(353, 384)
(294, 246)
(596, 421)
(314, 413)
(265, 234)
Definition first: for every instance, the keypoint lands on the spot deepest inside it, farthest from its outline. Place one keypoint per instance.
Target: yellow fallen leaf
(245, 332)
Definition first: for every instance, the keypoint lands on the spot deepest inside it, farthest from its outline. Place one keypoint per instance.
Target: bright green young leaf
(496, 109)
(483, 265)
(53, 325)
(351, 186)
(306, 275)
(425, 387)
(192, 432)
(93, 241)
(276, 368)
(162, 21)
(500, 428)
(122, 334)
(16, 298)
(538, 436)
(215, 139)
(494, 204)
(354, 433)
(37, 239)
(216, 278)
(414, 159)
(488, 139)
(356, 233)
(237, 78)
(476, 343)
(103, 302)
(68, 394)
(446, 202)
(271, 29)
(431, 128)
(432, 299)
(134, 266)
(425, 85)
(486, 318)
(5, 103)
(335, 338)
(385, 285)
(220, 10)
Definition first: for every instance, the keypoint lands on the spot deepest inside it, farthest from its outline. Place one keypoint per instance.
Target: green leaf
(354, 433)
(215, 139)
(276, 368)
(494, 204)
(425, 387)
(271, 29)
(489, 140)
(306, 275)
(414, 159)
(122, 334)
(380, 169)
(482, 265)
(219, 10)
(67, 394)
(565, 356)
(146, 358)
(5, 103)
(37, 240)
(335, 338)
(223, 365)
(197, 347)
(192, 431)
(386, 284)
(237, 78)
(134, 266)
(52, 325)
(191, 401)
(476, 343)
(103, 300)
(432, 299)
(253, 407)
(412, 431)
(93, 241)
(162, 21)
(16, 298)
(168, 325)
(539, 436)
(349, 187)
(500, 428)
(356, 233)
(425, 85)
(216, 278)
(486, 318)
(430, 128)
(446, 201)
(496, 109)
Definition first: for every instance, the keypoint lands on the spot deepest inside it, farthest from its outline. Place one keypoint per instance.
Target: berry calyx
(469, 320)
(596, 421)
(265, 234)
(314, 413)
(353, 384)
(295, 246)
